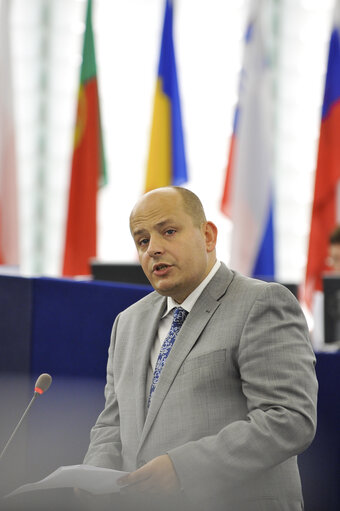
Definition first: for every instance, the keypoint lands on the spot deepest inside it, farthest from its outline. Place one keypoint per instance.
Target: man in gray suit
(234, 400)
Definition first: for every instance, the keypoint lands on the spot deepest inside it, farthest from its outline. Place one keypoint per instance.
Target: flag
(88, 166)
(248, 191)
(9, 252)
(166, 162)
(327, 176)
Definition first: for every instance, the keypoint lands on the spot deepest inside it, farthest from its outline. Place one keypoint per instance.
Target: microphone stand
(18, 425)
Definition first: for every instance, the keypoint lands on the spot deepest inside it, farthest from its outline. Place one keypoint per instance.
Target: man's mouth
(160, 268)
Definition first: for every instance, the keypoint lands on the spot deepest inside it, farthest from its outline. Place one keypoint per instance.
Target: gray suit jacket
(235, 403)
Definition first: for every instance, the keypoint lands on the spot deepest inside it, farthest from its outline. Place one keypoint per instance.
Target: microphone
(41, 385)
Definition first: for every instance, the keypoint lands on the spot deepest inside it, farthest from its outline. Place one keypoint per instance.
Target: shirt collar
(190, 300)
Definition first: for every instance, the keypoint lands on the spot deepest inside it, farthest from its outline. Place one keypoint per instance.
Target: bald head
(190, 202)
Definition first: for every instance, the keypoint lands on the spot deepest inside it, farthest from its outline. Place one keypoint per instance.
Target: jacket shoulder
(151, 300)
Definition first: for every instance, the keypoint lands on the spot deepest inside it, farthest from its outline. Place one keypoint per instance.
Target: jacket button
(140, 463)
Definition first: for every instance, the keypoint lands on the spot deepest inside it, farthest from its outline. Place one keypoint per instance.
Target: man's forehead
(140, 225)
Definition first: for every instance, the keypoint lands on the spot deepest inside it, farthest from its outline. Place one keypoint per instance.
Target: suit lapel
(195, 323)
(148, 329)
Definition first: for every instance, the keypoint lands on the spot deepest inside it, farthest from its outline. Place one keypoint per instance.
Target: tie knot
(179, 316)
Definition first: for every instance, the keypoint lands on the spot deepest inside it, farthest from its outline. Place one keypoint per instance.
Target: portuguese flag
(88, 166)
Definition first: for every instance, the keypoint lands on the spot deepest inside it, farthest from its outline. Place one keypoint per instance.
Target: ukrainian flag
(166, 161)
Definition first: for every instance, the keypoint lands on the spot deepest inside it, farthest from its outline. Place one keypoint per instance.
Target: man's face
(334, 253)
(175, 254)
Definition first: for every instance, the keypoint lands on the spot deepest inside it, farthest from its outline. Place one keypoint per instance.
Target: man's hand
(156, 477)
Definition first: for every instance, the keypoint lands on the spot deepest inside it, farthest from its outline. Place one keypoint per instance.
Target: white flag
(248, 196)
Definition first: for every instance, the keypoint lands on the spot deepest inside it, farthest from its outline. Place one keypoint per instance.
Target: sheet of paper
(86, 477)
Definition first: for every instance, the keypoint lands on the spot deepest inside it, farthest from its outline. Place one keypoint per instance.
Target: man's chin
(163, 288)
(163, 291)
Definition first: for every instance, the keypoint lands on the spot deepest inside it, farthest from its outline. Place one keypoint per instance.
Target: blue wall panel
(15, 324)
(72, 323)
(320, 463)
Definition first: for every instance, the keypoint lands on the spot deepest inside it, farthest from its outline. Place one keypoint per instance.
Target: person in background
(332, 264)
(211, 389)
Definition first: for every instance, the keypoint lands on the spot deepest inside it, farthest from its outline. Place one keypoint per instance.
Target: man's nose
(155, 246)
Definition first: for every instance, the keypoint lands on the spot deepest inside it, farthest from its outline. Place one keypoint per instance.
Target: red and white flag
(9, 252)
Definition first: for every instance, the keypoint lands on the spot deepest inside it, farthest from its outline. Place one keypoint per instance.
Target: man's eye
(170, 231)
(143, 242)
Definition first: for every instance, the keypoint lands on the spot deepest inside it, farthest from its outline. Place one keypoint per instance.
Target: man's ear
(210, 233)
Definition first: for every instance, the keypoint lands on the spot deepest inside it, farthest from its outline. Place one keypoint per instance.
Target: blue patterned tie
(179, 316)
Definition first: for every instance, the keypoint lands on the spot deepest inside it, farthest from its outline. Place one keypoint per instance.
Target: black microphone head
(43, 383)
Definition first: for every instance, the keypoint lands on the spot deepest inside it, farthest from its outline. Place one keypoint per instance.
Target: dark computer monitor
(131, 273)
(331, 287)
